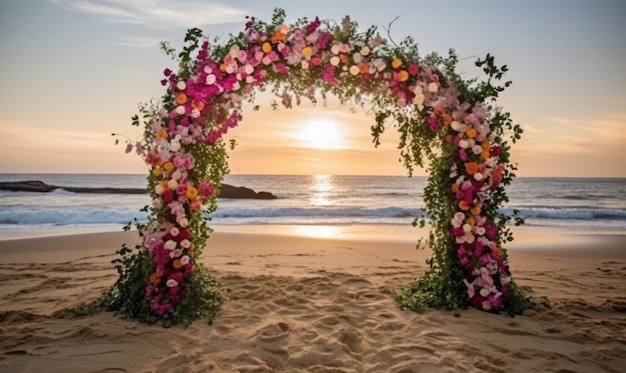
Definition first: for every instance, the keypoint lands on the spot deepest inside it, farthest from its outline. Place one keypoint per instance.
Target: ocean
(575, 203)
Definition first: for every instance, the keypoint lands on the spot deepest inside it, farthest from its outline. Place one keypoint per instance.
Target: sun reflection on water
(322, 187)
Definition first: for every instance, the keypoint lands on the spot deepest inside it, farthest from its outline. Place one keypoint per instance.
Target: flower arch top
(443, 120)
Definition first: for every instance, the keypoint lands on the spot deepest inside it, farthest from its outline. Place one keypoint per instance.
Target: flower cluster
(203, 101)
(474, 175)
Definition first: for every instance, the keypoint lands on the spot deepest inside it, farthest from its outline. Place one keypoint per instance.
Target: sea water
(578, 203)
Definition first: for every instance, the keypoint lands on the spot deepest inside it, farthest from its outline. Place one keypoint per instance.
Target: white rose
(486, 305)
(210, 79)
(175, 146)
(234, 50)
(478, 176)
(469, 238)
(174, 231)
(484, 292)
(170, 245)
(456, 222)
(335, 61)
(419, 99)
(463, 144)
(249, 69)
(304, 64)
(477, 149)
(432, 87)
(354, 70)
(181, 85)
(335, 49)
(171, 283)
(158, 189)
(195, 113)
(467, 228)
(357, 58)
(208, 69)
(180, 110)
(172, 184)
(480, 231)
(365, 51)
(185, 244)
(183, 222)
(230, 68)
(455, 125)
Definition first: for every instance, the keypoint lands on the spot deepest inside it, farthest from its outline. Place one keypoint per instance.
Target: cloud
(140, 42)
(158, 14)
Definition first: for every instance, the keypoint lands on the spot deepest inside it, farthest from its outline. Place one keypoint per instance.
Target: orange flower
(169, 167)
(463, 205)
(281, 34)
(181, 98)
(486, 145)
(343, 58)
(446, 118)
(471, 168)
(363, 68)
(449, 139)
(484, 154)
(177, 264)
(223, 67)
(191, 192)
(307, 52)
(396, 63)
(475, 210)
(471, 132)
(455, 187)
(403, 76)
(471, 221)
(161, 134)
(266, 47)
(155, 278)
(164, 185)
(439, 111)
(157, 171)
(497, 251)
(196, 205)
(195, 104)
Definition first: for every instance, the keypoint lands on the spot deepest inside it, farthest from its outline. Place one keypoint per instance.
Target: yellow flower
(396, 63)
(191, 192)
(471, 132)
(169, 167)
(403, 75)
(161, 134)
(157, 171)
(307, 52)
(266, 47)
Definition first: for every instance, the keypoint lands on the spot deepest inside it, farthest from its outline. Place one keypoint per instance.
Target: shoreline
(298, 303)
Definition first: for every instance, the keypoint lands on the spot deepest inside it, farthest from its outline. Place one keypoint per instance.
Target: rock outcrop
(36, 186)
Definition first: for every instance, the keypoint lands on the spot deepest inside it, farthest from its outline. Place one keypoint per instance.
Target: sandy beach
(312, 300)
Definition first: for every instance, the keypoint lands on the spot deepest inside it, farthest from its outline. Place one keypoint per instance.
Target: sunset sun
(321, 134)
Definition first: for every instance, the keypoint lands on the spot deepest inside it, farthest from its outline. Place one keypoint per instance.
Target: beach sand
(312, 300)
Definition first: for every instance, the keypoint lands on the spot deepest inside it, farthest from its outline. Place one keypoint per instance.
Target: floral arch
(444, 121)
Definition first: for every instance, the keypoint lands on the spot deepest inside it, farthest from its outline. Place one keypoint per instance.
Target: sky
(74, 71)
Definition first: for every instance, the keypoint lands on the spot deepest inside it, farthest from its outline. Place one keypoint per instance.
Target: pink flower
(329, 75)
